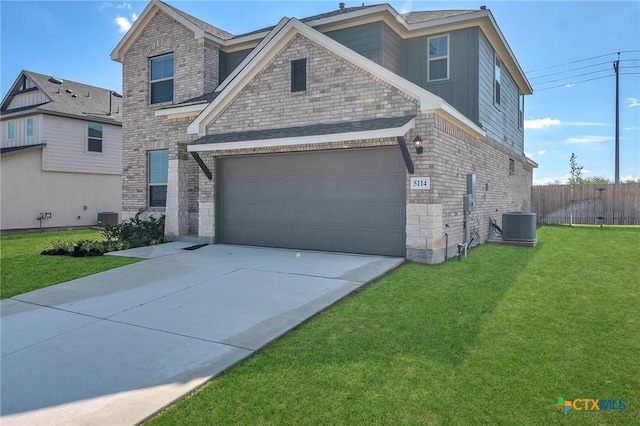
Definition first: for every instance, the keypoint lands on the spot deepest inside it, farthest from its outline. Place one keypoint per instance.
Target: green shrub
(137, 232)
(129, 234)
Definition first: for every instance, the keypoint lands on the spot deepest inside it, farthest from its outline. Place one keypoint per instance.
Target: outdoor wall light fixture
(418, 143)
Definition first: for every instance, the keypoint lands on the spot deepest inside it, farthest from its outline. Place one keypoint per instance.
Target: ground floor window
(158, 173)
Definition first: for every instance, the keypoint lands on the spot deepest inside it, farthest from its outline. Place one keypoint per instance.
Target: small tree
(575, 177)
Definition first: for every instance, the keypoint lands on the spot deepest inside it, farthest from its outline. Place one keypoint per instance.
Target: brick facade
(337, 90)
(449, 155)
(144, 132)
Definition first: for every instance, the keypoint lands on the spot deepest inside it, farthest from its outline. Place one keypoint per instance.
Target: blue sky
(73, 40)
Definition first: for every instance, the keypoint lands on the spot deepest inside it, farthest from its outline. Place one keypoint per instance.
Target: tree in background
(575, 177)
(596, 180)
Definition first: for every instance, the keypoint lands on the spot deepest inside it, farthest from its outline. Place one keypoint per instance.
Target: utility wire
(572, 62)
(571, 70)
(573, 76)
(582, 60)
(575, 82)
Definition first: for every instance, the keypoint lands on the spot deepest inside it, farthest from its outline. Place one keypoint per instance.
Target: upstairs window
(520, 111)
(162, 79)
(11, 130)
(497, 72)
(438, 60)
(94, 139)
(158, 174)
(299, 75)
(30, 127)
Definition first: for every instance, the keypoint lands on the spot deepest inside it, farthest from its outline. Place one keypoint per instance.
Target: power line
(573, 76)
(572, 62)
(575, 82)
(571, 70)
(581, 60)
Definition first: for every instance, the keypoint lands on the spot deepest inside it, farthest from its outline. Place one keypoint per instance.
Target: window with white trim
(94, 137)
(161, 78)
(438, 58)
(520, 111)
(30, 127)
(11, 130)
(497, 76)
(158, 175)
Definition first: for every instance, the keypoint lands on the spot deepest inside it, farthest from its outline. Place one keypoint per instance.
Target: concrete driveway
(115, 347)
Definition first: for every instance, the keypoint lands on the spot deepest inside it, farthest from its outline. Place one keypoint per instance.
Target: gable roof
(199, 28)
(66, 98)
(203, 25)
(277, 39)
(411, 24)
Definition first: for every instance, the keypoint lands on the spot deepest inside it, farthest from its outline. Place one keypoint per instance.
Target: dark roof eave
(324, 129)
(20, 149)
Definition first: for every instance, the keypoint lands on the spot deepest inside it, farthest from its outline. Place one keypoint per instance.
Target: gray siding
(363, 39)
(229, 62)
(461, 89)
(391, 50)
(499, 121)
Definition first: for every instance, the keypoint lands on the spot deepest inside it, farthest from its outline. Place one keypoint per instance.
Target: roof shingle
(75, 99)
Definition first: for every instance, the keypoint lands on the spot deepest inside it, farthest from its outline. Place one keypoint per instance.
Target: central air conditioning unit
(519, 226)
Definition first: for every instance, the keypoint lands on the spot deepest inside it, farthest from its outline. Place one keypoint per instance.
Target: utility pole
(616, 65)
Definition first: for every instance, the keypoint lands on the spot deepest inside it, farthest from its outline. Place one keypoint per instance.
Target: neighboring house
(302, 135)
(61, 158)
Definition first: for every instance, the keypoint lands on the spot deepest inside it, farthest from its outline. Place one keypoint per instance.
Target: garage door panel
(348, 200)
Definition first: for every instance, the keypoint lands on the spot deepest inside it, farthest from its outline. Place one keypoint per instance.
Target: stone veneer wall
(195, 73)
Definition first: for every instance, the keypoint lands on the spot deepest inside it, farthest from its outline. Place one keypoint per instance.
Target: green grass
(493, 339)
(25, 269)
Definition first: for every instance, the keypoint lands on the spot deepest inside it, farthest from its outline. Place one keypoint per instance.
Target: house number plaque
(421, 182)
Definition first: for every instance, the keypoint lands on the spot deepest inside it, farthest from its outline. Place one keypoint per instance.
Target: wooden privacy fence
(587, 204)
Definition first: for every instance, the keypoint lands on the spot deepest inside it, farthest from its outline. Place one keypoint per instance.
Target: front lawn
(493, 339)
(25, 269)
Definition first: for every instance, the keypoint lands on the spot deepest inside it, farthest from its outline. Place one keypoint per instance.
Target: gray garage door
(350, 200)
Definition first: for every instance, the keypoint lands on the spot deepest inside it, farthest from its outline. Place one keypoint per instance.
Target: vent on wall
(519, 226)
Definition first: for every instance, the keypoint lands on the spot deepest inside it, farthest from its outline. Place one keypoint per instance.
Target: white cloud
(125, 23)
(570, 85)
(110, 5)
(632, 102)
(542, 152)
(551, 180)
(589, 139)
(541, 123)
(631, 128)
